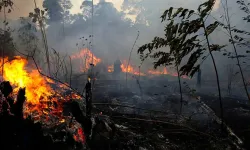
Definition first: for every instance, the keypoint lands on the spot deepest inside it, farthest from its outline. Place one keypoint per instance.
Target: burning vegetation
(42, 100)
(131, 69)
(52, 100)
(32, 98)
(86, 58)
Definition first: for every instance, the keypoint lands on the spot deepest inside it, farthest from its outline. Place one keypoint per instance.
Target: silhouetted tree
(182, 36)
(57, 10)
(54, 9)
(38, 16)
(27, 34)
(229, 28)
(7, 41)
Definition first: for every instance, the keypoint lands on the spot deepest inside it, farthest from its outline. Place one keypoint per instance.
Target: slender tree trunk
(130, 57)
(3, 46)
(179, 79)
(235, 50)
(217, 75)
(199, 79)
(139, 73)
(44, 39)
(70, 80)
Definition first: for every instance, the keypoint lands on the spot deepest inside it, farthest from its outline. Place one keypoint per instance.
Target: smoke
(116, 26)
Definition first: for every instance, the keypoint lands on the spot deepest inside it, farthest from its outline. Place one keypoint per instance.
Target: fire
(156, 72)
(85, 57)
(184, 76)
(126, 69)
(79, 136)
(41, 100)
(111, 68)
(36, 86)
(165, 72)
(131, 70)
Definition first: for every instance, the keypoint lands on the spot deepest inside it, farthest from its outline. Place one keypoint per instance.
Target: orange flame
(36, 86)
(111, 68)
(126, 69)
(156, 72)
(85, 57)
(165, 72)
(133, 71)
(130, 69)
(41, 99)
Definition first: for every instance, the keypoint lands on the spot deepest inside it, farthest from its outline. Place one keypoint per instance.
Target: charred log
(77, 113)
(6, 88)
(18, 106)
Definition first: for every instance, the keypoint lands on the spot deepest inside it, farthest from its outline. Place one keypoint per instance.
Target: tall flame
(41, 99)
(85, 57)
(127, 68)
(36, 85)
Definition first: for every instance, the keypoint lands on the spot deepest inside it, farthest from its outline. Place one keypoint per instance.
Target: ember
(79, 136)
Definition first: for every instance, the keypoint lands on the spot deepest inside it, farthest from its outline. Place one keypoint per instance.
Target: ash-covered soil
(131, 116)
(137, 108)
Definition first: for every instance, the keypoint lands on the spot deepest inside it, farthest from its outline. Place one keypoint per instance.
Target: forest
(124, 74)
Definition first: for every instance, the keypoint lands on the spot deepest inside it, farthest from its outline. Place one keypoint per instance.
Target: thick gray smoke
(115, 33)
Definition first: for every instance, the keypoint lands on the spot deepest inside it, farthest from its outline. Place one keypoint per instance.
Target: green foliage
(27, 34)
(245, 8)
(38, 16)
(57, 10)
(7, 41)
(212, 27)
(182, 38)
(7, 4)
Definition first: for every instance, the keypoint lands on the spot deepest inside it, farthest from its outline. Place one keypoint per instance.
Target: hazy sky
(23, 7)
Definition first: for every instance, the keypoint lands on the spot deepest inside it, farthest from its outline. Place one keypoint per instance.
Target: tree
(244, 7)
(229, 29)
(58, 10)
(54, 10)
(66, 5)
(38, 16)
(86, 8)
(27, 34)
(7, 41)
(182, 36)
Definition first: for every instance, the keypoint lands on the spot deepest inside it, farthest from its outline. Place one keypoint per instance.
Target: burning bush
(41, 99)
(19, 133)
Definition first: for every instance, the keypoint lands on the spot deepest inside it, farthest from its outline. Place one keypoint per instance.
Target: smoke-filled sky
(115, 37)
(23, 7)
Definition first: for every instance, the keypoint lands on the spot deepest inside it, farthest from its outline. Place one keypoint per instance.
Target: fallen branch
(164, 122)
(130, 107)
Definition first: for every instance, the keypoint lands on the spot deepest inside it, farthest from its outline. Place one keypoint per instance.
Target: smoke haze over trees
(116, 24)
